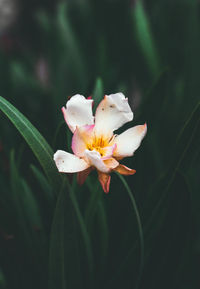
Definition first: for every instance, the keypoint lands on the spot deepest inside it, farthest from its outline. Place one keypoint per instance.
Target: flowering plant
(93, 143)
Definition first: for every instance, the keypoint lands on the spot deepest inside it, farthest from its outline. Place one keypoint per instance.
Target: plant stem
(140, 231)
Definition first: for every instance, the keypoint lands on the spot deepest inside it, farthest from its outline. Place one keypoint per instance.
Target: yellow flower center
(100, 144)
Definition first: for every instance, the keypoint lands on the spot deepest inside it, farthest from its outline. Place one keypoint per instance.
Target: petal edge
(125, 171)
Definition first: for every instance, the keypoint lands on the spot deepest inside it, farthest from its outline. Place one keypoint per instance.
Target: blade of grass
(69, 38)
(98, 92)
(96, 208)
(140, 230)
(101, 213)
(155, 209)
(41, 178)
(145, 38)
(27, 221)
(30, 206)
(65, 271)
(16, 191)
(92, 203)
(64, 259)
(47, 189)
(35, 140)
(85, 236)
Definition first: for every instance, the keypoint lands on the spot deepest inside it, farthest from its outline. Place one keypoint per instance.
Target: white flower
(93, 143)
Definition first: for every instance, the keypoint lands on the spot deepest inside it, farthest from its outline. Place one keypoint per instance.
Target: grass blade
(145, 37)
(68, 228)
(156, 204)
(98, 92)
(140, 230)
(64, 259)
(35, 140)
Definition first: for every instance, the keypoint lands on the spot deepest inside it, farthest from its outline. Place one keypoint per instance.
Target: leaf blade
(34, 139)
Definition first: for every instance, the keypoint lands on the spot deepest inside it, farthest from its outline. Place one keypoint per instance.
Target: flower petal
(78, 112)
(123, 170)
(112, 112)
(108, 151)
(111, 163)
(128, 141)
(94, 158)
(69, 163)
(82, 176)
(80, 138)
(104, 180)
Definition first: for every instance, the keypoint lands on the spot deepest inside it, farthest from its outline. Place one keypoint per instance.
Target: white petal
(94, 158)
(78, 112)
(129, 141)
(112, 112)
(69, 163)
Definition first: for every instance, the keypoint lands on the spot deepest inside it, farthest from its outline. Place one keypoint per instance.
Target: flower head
(93, 143)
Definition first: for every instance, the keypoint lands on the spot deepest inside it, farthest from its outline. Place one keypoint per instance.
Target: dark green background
(150, 51)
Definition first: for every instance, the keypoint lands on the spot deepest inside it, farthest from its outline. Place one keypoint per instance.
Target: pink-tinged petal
(90, 97)
(78, 112)
(111, 163)
(95, 160)
(64, 111)
(80, 138)
(82, 176)
(104, 180)
(123, 170)
(112, 112)
(129, 141)
(108, 151)
(69, 163)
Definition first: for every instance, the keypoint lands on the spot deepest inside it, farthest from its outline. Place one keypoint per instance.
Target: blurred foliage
(55, 234)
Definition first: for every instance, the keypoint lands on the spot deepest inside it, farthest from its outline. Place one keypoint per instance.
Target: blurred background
(149, 50)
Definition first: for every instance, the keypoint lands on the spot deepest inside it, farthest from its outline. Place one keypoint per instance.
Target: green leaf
(98, 92)
(95, 195)
(16, 191)
(157, 203)
(140, 233)
(186, 140)
(96, 217)
(35, 140)
(104, 234)
(47, 189)
(64, 260)
(70, 41)
(145, 38)
(66, 264)
(24, 201)
(30, 206)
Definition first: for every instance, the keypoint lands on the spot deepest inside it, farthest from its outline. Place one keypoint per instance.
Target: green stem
(85, 235)
(140, 231)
